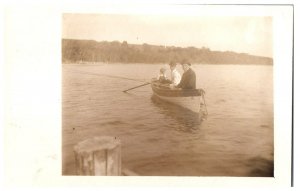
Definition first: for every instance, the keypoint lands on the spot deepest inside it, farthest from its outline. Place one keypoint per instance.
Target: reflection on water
(188, 121)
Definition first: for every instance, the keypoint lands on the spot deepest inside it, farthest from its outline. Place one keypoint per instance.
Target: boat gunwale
(163, 90)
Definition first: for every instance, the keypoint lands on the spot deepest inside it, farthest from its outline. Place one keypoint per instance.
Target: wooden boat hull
(188, 99)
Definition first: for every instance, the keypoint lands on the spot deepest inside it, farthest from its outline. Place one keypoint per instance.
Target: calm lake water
(160, 139)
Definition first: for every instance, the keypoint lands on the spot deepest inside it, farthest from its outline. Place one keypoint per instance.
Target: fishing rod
(136, 87)
(111, 76)
(118, 77)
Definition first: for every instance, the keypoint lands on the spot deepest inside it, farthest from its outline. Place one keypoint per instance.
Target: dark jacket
(188, 80)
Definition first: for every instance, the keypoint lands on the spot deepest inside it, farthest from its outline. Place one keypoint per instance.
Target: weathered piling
(98, 156)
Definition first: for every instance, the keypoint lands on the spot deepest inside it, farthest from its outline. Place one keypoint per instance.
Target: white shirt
(175, 77)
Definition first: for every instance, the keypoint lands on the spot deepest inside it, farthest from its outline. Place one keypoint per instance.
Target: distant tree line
(74, 51)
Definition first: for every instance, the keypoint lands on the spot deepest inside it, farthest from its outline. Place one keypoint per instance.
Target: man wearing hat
(188, 80)
(175, 75)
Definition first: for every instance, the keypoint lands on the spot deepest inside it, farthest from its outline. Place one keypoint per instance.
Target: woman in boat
(188, 80)
(175, 75)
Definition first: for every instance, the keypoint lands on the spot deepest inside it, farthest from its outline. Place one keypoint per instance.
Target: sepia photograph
(131, 95)
(167, 95)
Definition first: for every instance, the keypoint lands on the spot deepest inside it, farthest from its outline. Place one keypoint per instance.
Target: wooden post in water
(98, 156)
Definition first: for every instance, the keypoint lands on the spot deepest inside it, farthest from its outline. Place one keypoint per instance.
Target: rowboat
(191, 99)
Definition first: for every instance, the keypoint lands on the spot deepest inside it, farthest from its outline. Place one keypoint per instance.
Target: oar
(137, 86)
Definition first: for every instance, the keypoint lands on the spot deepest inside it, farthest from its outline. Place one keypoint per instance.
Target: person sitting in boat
(162, 78)
(188, 80)
(175, 75)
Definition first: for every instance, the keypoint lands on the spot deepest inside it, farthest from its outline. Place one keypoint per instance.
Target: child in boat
(162, 78)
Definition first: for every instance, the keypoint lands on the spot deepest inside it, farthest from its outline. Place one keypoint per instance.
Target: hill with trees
(74, 51)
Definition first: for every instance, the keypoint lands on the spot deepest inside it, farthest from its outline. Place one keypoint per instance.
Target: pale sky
(252, 35)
